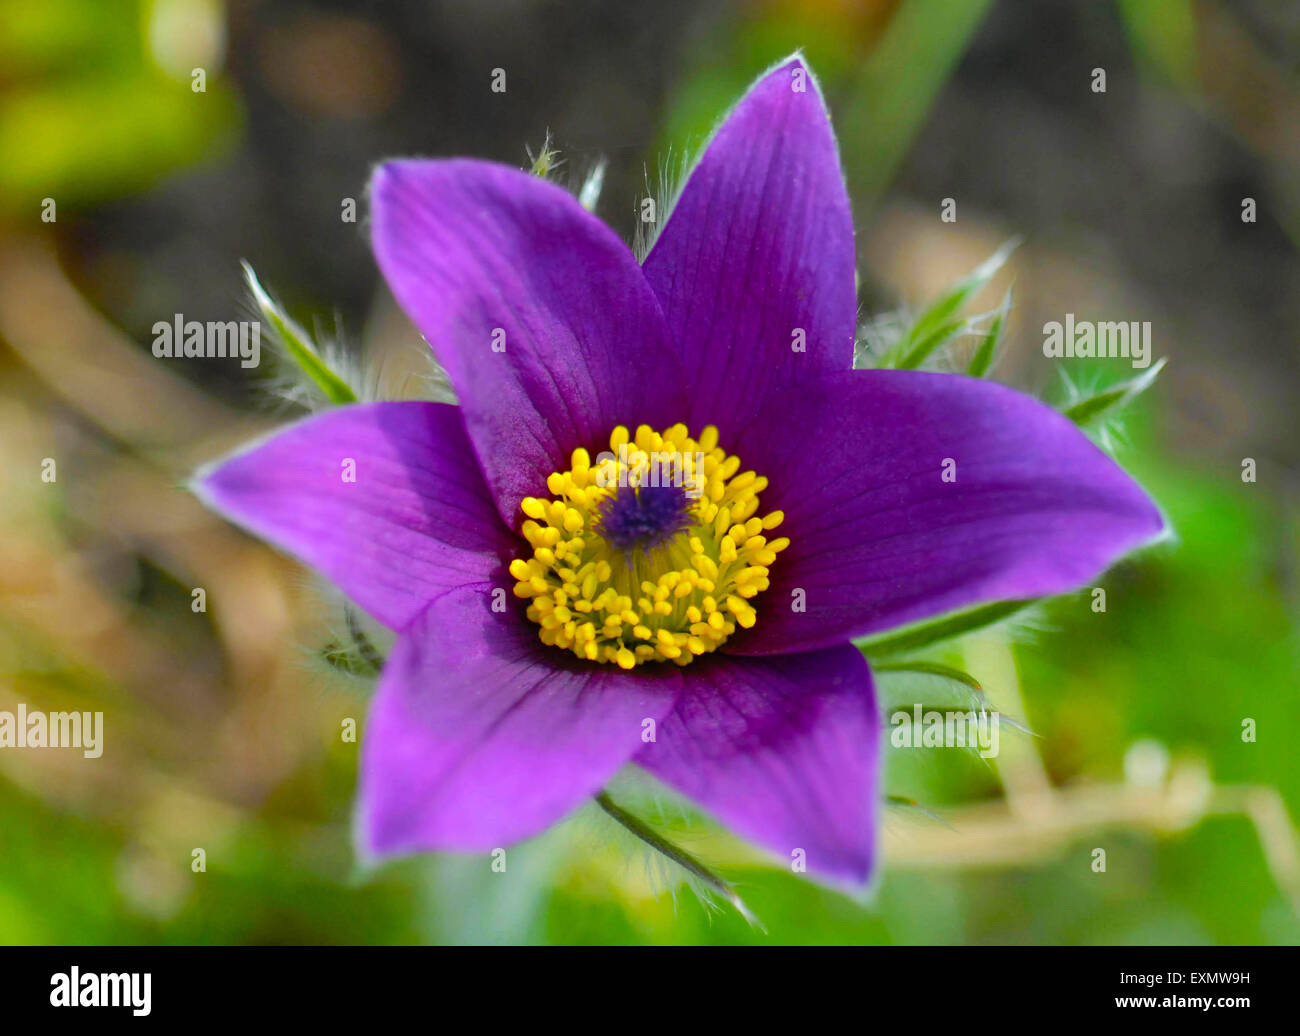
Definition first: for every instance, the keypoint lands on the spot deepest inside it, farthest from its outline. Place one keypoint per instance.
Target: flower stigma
(650, 554)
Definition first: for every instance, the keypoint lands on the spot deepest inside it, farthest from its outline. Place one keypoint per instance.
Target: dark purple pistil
(640, 519)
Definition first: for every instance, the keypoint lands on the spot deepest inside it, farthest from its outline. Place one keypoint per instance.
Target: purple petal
(783, 750)
(878, 538)
(479, 736)
(758, 248)
(474, 251)
(417, 520)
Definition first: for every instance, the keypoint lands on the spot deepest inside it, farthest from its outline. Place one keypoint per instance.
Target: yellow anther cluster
(673, 601)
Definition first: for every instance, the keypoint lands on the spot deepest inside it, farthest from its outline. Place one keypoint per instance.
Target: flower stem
(677, 854)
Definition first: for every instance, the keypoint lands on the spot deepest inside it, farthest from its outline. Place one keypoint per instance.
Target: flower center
(644, 517)
(650, 554)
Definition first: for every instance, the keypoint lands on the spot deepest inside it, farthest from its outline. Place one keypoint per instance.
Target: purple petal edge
(540, 314)
(879, 538)
(478, 738)
(785, 751)
(755, 266)
(416, 522)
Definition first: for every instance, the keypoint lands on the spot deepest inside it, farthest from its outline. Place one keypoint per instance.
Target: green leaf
(940, 322)
(689, 862)
(298, 345)
(361, 657)
(932, 669)
(912, 638)
(980, 699)
(903, 802)
(1088, 410)
(982, 362)
(918, 351)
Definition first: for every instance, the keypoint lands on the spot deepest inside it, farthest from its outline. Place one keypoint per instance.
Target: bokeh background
(223, 727)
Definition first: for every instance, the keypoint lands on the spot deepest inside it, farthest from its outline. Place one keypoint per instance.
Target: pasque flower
(665, 503)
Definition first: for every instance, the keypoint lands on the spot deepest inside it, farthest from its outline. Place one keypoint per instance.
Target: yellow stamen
(670, 601)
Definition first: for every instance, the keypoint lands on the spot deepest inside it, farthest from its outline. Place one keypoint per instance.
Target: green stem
(676, 853)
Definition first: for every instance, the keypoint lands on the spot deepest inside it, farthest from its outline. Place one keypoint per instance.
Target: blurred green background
(223, 727)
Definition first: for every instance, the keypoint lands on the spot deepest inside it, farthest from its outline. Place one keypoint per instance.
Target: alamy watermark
(215, 339)
(1106, 339)
(73, 988)
(933, 728)
(653, 468)
(36, 729)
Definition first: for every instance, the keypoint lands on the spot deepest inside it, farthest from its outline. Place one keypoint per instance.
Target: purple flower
(664, 505)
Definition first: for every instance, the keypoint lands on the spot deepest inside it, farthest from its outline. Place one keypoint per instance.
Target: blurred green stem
(676, 853)
(897, 86)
